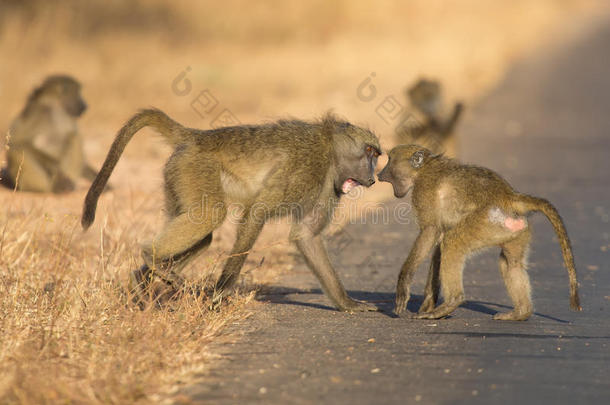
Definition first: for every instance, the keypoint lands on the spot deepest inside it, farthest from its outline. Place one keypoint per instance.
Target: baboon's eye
(370, 151)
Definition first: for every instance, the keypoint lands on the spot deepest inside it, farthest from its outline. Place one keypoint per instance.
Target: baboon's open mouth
(349, 184)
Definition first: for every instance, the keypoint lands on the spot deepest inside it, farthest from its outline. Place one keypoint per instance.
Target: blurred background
(264, 60)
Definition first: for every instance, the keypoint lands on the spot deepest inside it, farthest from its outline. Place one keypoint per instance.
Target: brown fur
(285, 168)
(461, 209)
(432, 128)
(45, 148)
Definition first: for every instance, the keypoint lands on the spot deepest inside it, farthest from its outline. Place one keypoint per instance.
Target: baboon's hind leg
(169, 268)
(180, 239)
(513, 267)
(183, 237)
(167, 271)
(195, 205)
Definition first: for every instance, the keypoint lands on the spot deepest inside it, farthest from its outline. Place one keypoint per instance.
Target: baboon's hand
(402, 297)
(352, 305)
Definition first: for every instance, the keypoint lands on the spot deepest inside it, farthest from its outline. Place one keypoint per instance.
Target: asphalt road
(546, 129)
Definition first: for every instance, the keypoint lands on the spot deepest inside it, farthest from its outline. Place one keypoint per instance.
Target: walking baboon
(462, 209)
(286, 168)
(431, 127)
(45, 147)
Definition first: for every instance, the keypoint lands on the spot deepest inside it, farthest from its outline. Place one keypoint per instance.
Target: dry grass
(68, 330)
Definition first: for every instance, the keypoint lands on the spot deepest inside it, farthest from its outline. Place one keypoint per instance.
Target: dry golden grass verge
(69, 332)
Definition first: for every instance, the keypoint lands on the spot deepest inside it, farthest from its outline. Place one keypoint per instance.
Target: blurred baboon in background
(430, 127)
(45, 152)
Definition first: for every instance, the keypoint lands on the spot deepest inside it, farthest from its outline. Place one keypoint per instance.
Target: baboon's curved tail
(523, 204)
(168, 128)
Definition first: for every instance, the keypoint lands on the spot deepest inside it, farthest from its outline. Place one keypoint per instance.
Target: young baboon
(285, 168)
(431, 127)
(462, 209)
(45, 147)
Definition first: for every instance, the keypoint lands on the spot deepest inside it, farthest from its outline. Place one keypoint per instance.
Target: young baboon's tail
(171, 131)
(525, 203)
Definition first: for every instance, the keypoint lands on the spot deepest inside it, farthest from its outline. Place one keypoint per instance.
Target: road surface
(547, 130)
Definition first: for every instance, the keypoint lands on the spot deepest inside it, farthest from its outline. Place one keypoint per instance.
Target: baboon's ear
(417, 159)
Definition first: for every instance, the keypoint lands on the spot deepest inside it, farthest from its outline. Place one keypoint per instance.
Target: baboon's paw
(217, 299)
(138, 288)
(402, 297)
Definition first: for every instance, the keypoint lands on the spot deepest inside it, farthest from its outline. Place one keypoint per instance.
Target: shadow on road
(383, 300)
(488, 335)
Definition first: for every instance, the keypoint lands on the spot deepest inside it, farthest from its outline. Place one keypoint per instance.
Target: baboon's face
(72, 100)
(63, 90)
(358, 150)
(404, 161)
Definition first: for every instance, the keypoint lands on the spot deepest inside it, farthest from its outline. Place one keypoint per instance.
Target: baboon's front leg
(423, 244)
(433, 283)
(312, 248)
(455, 246)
